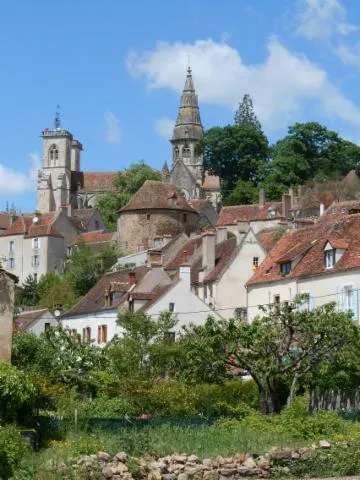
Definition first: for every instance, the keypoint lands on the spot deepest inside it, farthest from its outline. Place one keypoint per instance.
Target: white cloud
(13, 182)
(348, 54)
(164, 127)
(113, 132)
(321, 19)
(281, 87)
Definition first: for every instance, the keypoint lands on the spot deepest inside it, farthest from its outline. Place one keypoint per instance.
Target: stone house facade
(35, 321)
(7, 296)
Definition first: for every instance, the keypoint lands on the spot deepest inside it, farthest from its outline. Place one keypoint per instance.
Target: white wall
(93, 320)
(38, 326)
(230, 290)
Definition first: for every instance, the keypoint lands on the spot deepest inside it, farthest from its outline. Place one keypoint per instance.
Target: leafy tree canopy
(127, 183)
(245, 114)
(243, 193)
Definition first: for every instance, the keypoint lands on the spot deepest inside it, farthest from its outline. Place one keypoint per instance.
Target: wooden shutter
(99, 334)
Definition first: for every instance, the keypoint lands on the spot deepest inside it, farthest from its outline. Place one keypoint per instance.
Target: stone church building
(62, 182)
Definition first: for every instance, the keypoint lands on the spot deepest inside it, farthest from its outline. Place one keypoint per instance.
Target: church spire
(188, 123)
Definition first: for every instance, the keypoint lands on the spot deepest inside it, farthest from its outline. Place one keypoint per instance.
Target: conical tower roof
(188, 123)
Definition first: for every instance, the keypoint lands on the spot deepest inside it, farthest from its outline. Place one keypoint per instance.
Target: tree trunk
(293, 389)
(266, 403)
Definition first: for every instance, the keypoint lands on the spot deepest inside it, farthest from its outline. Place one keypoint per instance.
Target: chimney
(185, 269)
(286, 206)
(261, 198)
(132, 278)
(221, 234)
(322, 209)
(154, 258)
(208, 250)
(241, 231)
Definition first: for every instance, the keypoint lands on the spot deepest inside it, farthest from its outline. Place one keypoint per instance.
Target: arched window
(53, 155)
(176, 152)
(186, 151)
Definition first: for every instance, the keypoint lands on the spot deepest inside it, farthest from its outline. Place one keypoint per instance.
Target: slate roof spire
(188, 123)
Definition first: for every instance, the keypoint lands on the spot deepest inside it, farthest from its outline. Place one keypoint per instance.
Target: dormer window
(53, 155)
(330, 258)
(285, 268)
(271, 213)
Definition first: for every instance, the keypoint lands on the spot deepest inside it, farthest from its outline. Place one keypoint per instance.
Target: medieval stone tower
(187, 132)
(61, 159)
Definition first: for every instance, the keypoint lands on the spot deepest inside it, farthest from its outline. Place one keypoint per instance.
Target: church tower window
(176, 152)
(186, 151)
(53, 155)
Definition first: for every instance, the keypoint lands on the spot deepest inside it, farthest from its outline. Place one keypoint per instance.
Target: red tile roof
(94, 300)
(82, 216)
(268, 237)
(248, 213)
(340, 209)
(191, 246)
(157, 195)
(198, 204)
(4, 220)
(95, 236)
(24, 225)
(308, 245)
(96, 181)
(211, 182)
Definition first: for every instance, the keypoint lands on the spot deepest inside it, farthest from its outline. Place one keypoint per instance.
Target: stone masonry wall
(6, 315)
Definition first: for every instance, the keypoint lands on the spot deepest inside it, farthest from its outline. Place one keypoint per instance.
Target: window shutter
(105, 334)
(99, 334)
(355, 303)
(339, 299)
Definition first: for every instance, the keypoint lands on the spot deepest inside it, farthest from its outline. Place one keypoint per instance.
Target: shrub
(12, 450)
(105, 407)
(171, 399)
(17, 393)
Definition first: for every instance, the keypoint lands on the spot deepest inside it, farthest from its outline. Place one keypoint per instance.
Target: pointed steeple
(188, 123)
(165, 169)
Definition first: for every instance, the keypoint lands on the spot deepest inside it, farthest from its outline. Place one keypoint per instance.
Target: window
(285, 268)
(35, 243)
(73, 332)
(255, 262)
(277, 303)
(53, 155)
(35, 261)
(86, 335)
(333, 211)
(348, 298)
(47, 327)
(343, 210)
(11, 247)
(102, 334)
(186, 151)
(11, 263)
(176, 152)
(148, 216)
(131, 305)
(185, 218)
(240, 313)
(210, 287)
(35, 277)
(97, 225)
(171, 307)
(330, 258)
(169, 337)
(271, 212)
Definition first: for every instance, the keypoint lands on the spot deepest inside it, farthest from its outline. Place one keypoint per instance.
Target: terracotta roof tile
(340, 209)
(198, 204)
(157, 195)
(96, 181)
(94, 300)
(95, 236)
(24, 225)
(211, 182)
(82, 216)
(309, 244)
(268, 237)
(248, 213)
(4, 220)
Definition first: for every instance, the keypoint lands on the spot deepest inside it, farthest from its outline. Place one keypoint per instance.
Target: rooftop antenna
(57, 122)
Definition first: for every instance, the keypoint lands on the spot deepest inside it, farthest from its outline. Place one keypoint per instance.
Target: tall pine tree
(245, 114)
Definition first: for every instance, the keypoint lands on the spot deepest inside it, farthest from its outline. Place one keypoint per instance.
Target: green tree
(245, 114)
(243, 193)
(27, 296)
(235, 152)
(126, 184)
(309, 151)
(143, 351)
(85, 268)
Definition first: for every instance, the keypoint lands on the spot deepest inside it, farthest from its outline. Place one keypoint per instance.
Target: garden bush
(12, 449)
(17, 394)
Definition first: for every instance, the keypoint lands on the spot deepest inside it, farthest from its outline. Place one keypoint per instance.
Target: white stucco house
(321, 261)
(35, 321)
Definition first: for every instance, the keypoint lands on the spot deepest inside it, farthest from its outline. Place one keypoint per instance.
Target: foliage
(59, 295)
(235, 152)
(105, 407)
(27, 295)
(12, 450)
(309, 151)
(243, 193)
(16, 393)
(126, 184)
(245, 114)
(142, 352)
(84, 268)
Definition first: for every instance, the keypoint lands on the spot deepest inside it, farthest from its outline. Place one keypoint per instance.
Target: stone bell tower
(188, 131)
(61, 156)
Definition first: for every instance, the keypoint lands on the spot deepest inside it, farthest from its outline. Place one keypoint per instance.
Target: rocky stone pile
(182, 466)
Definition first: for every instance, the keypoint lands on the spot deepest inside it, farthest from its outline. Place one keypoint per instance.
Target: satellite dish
(57, 313)
(36, 220)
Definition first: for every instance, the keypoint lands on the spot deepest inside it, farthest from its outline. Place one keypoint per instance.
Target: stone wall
(137, 230)
(6, 315)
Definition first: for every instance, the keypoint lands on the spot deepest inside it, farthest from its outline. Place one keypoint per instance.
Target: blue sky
(116, 68)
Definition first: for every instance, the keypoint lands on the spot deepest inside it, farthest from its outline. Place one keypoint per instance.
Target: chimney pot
(261, 198)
